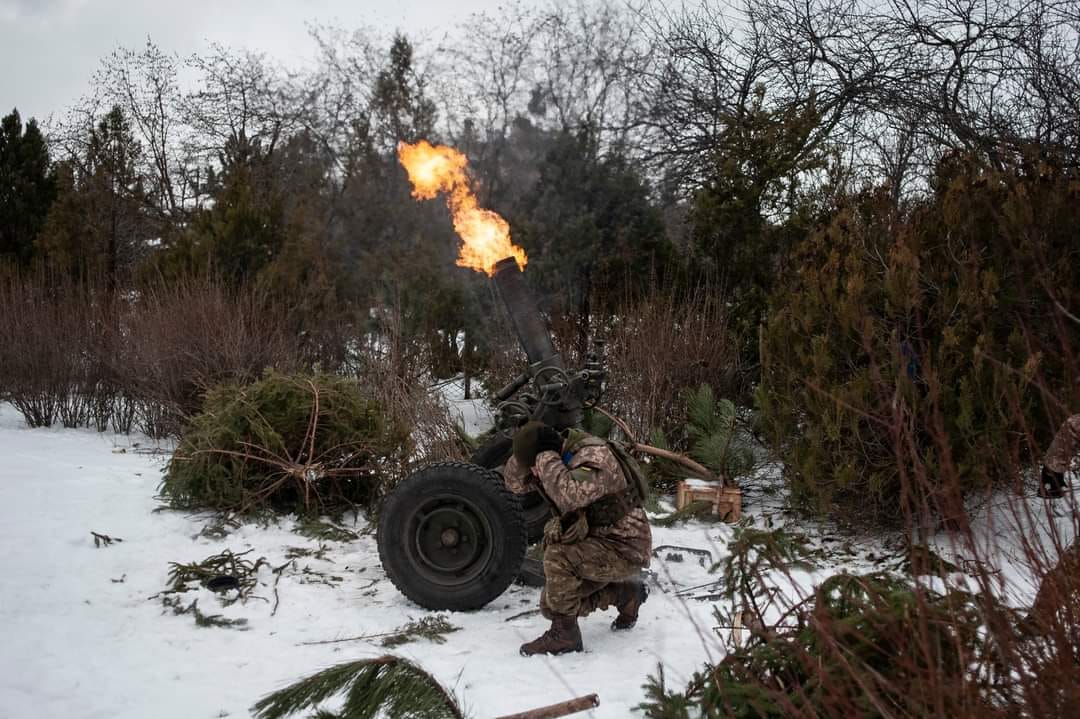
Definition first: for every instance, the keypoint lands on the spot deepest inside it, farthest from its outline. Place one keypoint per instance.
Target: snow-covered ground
(84, 636)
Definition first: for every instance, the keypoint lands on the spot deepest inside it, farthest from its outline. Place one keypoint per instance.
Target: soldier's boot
(563, 636)
(1052, 484)
(629, 597)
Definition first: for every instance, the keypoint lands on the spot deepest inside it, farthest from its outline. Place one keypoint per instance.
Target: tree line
(634, 149)
(613, 137)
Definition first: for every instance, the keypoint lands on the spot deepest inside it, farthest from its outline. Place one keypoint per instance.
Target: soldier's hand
(548, 440)
(576, 530)
(552, 531)
(532, 439)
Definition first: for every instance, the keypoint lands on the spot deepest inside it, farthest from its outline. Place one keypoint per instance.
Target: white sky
(49, 49)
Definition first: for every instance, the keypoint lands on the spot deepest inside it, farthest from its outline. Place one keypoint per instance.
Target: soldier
(598, 542)
(1058, 458)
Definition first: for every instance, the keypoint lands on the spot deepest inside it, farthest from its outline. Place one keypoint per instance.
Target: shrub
(931, 344)
(883, 644)
(660, 349)
(51, 332)
(311, 444)
(73, 353)
(867, 646)
(713, 437)
(179, 341)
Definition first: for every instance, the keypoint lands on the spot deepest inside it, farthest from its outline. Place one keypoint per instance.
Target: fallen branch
(104, 540)
(699, 470)
(561, 709)
(279, 571)
(431, 628)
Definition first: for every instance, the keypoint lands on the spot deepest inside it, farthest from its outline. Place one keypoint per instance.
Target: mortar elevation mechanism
(451, 535)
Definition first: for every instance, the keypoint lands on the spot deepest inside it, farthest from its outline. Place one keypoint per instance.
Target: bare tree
(240, 100)
(143, 82)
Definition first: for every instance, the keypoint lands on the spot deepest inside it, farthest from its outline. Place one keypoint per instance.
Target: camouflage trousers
(1063, 448)
(578, 577)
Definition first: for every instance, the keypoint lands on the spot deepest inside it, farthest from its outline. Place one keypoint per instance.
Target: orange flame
(485, 236)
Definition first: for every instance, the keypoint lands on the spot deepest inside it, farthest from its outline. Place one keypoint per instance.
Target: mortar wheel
(451, 536)
(494, 454)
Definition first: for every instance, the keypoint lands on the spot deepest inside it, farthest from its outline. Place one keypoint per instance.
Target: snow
(85, 636)
(473, 415)
(79, 642)
(693, 483)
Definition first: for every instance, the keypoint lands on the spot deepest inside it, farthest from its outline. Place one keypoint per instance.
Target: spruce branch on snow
(384, 686)
(226, 564)
(323, 530)
(430, 628)
(103, 540)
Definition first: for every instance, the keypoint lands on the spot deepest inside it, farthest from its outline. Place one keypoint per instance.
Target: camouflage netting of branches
(313, 444)
(865, 646)
(915, 356)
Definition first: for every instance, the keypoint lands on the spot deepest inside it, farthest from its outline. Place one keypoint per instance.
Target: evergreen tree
(399, 99)
(404, 251)
(243, 228)
(925, 345)
(98, 229)
(589, 224)
(27, 187)
(750, 212)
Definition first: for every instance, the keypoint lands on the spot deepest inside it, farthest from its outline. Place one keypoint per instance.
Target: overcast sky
(49, 49)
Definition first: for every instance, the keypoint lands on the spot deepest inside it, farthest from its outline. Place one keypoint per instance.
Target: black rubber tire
(488, 536)
(493, 454)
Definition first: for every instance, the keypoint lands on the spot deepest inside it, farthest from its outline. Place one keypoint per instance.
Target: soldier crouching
(596, 546)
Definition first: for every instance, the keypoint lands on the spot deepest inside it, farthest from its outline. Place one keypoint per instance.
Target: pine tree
(98, 229)
(589, 224)
(399, 101)
(750, 212)
(242, 230)
(925, 345)
(27, 187)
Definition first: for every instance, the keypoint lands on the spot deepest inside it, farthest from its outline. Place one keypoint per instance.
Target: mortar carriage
(451, 535)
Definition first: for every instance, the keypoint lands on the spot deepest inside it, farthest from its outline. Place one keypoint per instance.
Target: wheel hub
(450, 537)
(450, 540)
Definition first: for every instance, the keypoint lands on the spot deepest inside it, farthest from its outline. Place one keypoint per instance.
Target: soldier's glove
(532, 439)
(576, 529)
(548, 440)
(568, 529)
(552, 532)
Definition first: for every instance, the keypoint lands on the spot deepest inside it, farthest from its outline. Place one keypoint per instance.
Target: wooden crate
(726, 501)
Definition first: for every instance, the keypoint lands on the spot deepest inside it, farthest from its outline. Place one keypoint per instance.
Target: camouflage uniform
(1063, 448)
(581, 562)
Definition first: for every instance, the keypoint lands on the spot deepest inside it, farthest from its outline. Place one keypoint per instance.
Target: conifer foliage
(911, 357)
(27, 186)
(714, 437)
(851, 650)
(313, 444)
(384, 686)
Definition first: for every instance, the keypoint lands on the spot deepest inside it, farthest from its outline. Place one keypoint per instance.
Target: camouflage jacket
(591, 474)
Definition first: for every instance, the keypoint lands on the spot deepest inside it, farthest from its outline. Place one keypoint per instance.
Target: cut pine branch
(700, 471)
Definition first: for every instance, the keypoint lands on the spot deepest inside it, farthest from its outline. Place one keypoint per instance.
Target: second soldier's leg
(1058, 458)
(1062, 450)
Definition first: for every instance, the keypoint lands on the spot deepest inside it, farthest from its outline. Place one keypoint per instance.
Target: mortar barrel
(532, 332)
